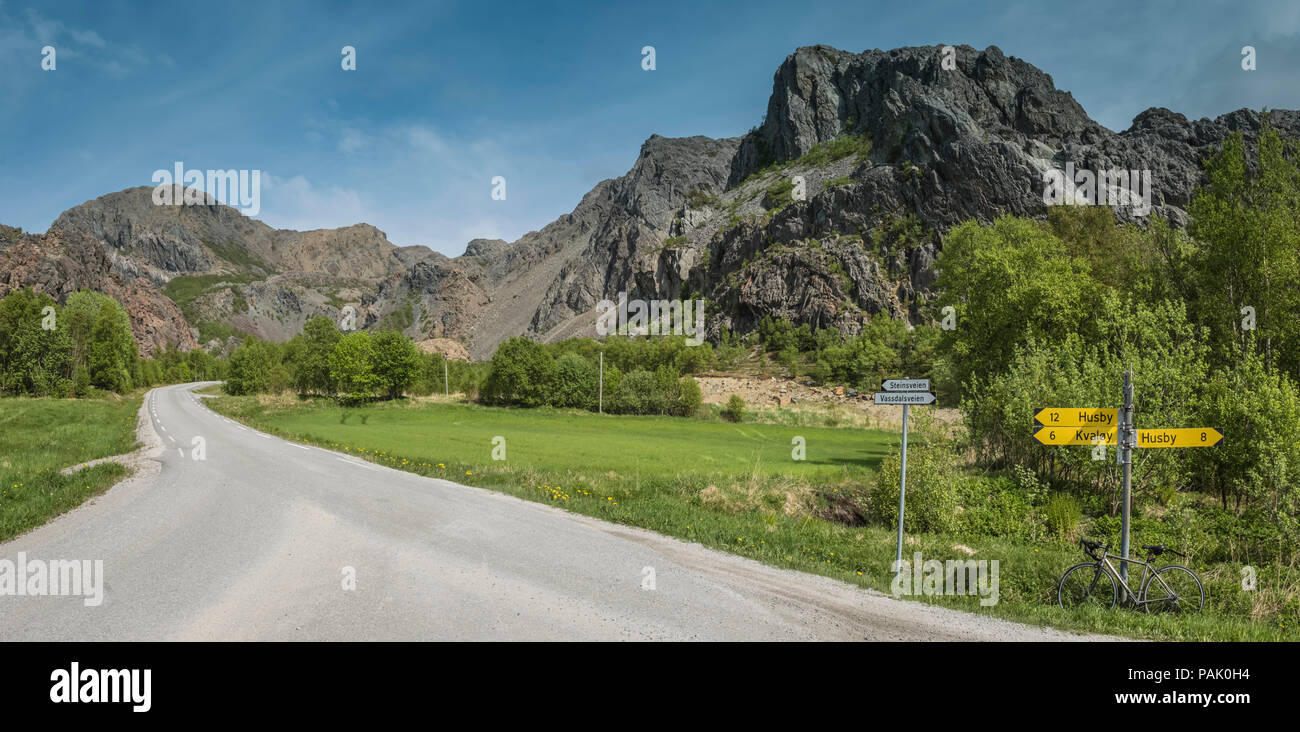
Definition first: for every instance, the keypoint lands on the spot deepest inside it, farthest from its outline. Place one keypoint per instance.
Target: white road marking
(173, 439)
(359, 465)
(182, 452)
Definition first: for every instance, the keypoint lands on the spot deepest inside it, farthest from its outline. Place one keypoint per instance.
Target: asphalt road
(257, 542)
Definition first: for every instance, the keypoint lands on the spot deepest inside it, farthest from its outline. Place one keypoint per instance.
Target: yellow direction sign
(1076, 435)
(1077, 417)
(1181, 437)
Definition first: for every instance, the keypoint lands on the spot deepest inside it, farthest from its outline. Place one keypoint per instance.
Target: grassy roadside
(43, 436)
(730, 487)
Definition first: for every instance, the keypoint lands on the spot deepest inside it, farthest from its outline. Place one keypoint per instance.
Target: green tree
(251, 367)
(318, 339)
(1258, 411)
(521, 373)
(35, 351)
(352, 366)
(1246, 222)
(396, 362)
(100, 330)
(1008, 283)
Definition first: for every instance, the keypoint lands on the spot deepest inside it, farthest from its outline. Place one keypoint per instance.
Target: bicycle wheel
(1178, 592)
(1086, 585)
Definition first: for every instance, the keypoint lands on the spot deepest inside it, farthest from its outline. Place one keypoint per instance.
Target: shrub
(574, 382)
(997, 507)
(1062, 515)
(838, 148)
(689, 398)
(735, 409)
(779, 194)
(934, 481)
(521, 373)
(638, 393)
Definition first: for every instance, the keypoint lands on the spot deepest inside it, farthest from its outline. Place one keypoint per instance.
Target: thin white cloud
(297, 203)
(352, 140)
(424, 138)
(88, 38)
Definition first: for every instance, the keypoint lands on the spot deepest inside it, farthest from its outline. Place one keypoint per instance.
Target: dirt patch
(453, 350)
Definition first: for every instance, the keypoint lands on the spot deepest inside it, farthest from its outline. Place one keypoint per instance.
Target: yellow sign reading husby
(1179, 437)
(1076, 435)
(1077, 417)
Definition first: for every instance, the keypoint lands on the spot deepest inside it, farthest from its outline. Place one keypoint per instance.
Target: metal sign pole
(902, 494)
(446, 385)
(1126, 446)
(600, 405)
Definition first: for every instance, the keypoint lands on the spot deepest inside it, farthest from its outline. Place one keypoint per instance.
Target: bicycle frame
(1147, 568)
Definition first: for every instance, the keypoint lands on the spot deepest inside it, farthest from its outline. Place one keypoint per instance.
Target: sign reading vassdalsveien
(904, 397)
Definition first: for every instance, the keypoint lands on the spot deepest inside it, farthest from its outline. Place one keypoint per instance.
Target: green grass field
(42, 436)
(552, 441)
(727, 486)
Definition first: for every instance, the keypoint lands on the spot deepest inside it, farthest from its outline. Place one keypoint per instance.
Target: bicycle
(1171, 589)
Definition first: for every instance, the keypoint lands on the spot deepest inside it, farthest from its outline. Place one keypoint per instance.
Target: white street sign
(914, 397)
(906, 385)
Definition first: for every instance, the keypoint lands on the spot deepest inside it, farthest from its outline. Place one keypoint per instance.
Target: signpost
(1106, 426)
(905, 392)
(1126, 459)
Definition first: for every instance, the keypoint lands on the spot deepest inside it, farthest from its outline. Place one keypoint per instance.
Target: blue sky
(550, 95)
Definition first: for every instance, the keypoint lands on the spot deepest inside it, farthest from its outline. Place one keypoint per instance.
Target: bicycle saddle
(1155, 549)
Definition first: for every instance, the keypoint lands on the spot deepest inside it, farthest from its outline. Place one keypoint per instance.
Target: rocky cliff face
(61, 262)
(890, 149)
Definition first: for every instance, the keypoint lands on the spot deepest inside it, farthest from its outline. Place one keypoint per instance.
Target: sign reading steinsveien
(1077, 417)
(907, 385)
(904, 397)
(1179, 437)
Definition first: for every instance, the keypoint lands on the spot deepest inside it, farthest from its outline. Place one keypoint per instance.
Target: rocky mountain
(829, 212)
(230, 274)
(715, 219)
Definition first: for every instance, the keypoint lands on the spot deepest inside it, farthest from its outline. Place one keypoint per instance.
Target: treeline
(567, 374)
(885, 348)
(361, 366)
(353, 367)
(82, 347)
